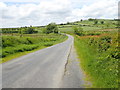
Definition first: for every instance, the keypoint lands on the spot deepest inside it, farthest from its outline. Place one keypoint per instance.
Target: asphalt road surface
(41, 69)
(73, 75)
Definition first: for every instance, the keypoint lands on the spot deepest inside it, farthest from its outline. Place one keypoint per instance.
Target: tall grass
(99, 58)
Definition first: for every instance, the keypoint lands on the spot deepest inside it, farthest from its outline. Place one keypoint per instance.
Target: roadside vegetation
(28, 39)
(96, 42)
(99, 58)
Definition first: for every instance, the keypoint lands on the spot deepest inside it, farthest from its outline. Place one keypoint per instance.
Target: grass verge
(99, 59)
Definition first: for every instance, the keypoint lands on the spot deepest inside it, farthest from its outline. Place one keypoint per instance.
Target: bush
(9, 41)
(93, 34)
(102, 22)
(21, 48)
(29, 30)
(78, 31)
(51, 28)
(90, 19)
(95, 22)
(99, 58)
(106, 39)
(48, 44)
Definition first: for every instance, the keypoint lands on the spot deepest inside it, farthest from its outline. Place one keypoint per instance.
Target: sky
(19, 13)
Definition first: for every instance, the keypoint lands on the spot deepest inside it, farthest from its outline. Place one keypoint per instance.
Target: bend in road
(40, 69)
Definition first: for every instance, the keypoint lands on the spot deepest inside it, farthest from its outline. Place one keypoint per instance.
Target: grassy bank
(99, 58)
(97, 48)
(15, 46)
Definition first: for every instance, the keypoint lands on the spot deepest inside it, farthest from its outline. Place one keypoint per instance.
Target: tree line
(50, 28)
(23, 30)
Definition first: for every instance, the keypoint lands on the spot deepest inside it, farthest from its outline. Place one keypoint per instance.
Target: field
(88, 25)
(12, 45)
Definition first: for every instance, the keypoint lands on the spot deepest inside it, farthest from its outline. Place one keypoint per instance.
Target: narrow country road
(73, 75)
(41, 69)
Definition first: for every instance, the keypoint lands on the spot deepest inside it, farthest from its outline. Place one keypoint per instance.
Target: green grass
(66, 29)
(88, 25)
(99, 59)
(18, 54)
(12, 45)
(87, 28)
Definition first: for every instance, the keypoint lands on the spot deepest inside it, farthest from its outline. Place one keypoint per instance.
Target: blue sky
(17, 13)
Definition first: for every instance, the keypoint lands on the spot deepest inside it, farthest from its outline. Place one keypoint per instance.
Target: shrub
(48, 44)
(51, 28)
(21, 48)
(95, 22)
(102, 66)
(78, 30)
(102, 22)
(29, 30)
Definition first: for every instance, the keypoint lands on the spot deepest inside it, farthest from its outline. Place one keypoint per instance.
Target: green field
(89, 25)
(12, 45)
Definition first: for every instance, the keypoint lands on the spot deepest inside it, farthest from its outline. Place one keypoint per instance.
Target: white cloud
(100, 9)
(55, 11)
(21, 0)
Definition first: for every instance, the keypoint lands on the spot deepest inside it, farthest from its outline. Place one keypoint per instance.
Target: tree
(102, 22)
(51, 28)
(90, 19)
(29, 30)
(55, 30)
(21, 31)
(78, 30)
(95, 22)
(68, 22)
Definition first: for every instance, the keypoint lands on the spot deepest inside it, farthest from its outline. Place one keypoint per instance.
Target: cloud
(55, 11)
(101, 9)
(21, 0)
